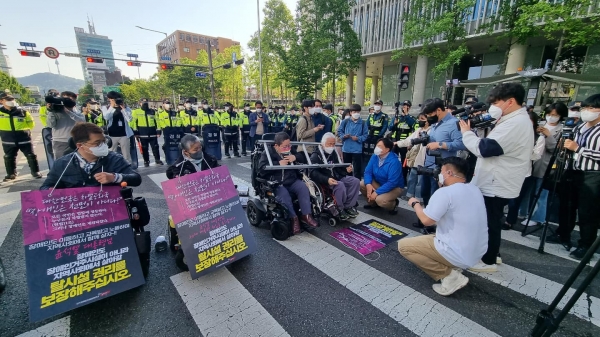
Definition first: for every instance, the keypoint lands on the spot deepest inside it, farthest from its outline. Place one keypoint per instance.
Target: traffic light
(165, 66)
(134, 64)
(95, 60)
(227, 66)
(239, 62)
(29, 53)
(404, 76)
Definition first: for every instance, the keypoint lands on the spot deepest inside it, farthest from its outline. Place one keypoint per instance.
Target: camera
(423, 139)
(479, 121)
(568, 126)
(59, 103)
(119, 101)
(432, 171)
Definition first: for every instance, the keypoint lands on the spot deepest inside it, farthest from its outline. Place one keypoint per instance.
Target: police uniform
(401, 128)
(171, 124)
(290, 123)
(231, 123)
(278, 120)
(191, 120)
(334, 118)
(15, 133)
(145, 126)
(245, 116)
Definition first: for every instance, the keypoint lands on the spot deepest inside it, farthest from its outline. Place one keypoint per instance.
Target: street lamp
(166, 35)
(259, 50)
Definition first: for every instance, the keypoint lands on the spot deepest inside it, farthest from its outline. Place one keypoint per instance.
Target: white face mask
(318, 110)
(258, 110)
(552, 119)
(328, 150)
(94, 107)
(377, 107)
(280, 111)
(10, 103)
(441, 179)
(311, 111)
(348, 117)
(270, 110)
(246, 108)
(574, 114)
(588, 116)
(495, 112)
(99, 151)
(167, 106)
(378, 151)
(180, 107)
(188, 105)
(205, 106)
(356, 115)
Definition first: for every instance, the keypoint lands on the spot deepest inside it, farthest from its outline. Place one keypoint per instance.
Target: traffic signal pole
(212, 75)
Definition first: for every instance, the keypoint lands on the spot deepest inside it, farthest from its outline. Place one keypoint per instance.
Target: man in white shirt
(461, 239)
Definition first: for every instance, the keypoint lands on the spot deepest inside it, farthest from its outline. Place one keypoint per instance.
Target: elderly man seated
(345, 187)
(193, 158)
(290, 179)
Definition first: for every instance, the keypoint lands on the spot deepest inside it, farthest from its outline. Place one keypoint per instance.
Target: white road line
(219, 303)
(59, 328)
(10, 207)
(415, 311)
(246, 165)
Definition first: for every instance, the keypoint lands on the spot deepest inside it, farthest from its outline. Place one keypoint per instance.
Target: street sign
(72, 55)
(532, 72)
(165, 58)
(111, 88)
(93, 51)
(132, 55)
(200, 74)
(51, 52)
(27, 44)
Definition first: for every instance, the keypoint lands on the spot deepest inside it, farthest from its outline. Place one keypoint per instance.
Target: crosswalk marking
(246, 165)
(59, 328)
(10, 207)
(415, 311)
(220, 304)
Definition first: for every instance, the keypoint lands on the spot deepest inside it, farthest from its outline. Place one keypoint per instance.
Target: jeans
(539, 212)
(413, 186)
(428, 186)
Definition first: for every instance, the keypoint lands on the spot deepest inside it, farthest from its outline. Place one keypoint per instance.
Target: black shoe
(395, 211)
(37, 175)
(506, 226)
(10, 177)
(237, 155)
(244, 154)
(579, 253)
(158, 162)
(555, 238)
(146, 164)
(227, 155)
(344, 216)
(353, 213)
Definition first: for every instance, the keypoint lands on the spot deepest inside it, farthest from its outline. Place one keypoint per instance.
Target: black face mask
(145, 106)
(422, 124)
(432, 119)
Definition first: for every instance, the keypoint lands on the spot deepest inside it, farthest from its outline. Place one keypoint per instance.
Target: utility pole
(212, 75)
(259, 50)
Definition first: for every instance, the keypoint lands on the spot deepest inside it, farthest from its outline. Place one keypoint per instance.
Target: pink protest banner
(51, 215)
(195, 193)
(360, 243)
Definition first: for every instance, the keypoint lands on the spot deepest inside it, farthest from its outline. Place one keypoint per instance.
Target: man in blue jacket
(353, 132)
(259, 124)
(319, 118)
(383, 182)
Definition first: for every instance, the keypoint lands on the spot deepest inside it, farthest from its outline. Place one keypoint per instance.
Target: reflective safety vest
(278, 120)
(43, 116)
(169, 119)
(191, 119)
(144, 123)
(401, 130)
(376, 125)
(245, 119)
(225, 119)
(96, 118)
(15, 126)
(334, 121)
(208, 118)
(291, 121)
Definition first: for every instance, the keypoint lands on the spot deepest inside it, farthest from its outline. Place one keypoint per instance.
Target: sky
(50, 24)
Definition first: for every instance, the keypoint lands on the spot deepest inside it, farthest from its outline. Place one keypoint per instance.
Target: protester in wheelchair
(290, 180)
(92, 164)
(193, 158)
(345, 187)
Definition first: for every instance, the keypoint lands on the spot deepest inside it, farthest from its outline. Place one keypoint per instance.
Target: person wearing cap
(335, 119)
(278, 119)
(320, 119)
(470, 101)
(15, 133)
(574, 112)
(290, 123)
(231, 123)
(378, 124)
(259, 124)
(93, 114)
(190, 118)
(171, 124)
(245, 117)
(208, 115)
(401, 128)
(118, 116)
(145, 127)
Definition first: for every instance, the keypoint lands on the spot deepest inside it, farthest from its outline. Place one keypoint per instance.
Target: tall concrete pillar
(361, 76)
(349, 88)
(420, 81)
(516, 58)
(374, 85)
(319, 94)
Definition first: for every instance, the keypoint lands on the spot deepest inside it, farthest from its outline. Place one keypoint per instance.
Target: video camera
(136, 207)
(567, 131)
(59, 103)
(479, 121)
(423, 139)
(432, 171)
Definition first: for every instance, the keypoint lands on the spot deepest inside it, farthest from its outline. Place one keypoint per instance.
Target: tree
(11, 83)
(86, 93)
(427, 22)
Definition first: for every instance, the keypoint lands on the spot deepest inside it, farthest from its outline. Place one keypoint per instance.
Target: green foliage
(429, 21)
(11, 83)
(85, 93)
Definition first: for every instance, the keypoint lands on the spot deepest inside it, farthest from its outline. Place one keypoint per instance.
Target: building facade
(92, 44)
(181, 44)
(4, 61)
(379, 24)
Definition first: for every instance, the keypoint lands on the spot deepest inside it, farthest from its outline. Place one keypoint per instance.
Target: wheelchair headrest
(73, 146)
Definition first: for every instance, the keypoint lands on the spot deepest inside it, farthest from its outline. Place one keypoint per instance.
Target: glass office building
(92, 44)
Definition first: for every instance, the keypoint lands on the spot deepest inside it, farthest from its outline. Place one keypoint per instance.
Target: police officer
(172, 128)
(15, 133)
(278, 120)
(401, 128)
(208, 115)
(190, 118)
(245, 116)
(231, 122)
(290, 123)
(145, 127)
(93, 114)
(335, 118)
(272, 114)
(377, 124)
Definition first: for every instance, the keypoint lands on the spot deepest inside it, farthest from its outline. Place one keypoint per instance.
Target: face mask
(286, 153)
(205, 106)
(441, 179)
(99, 151)
(378, 151)
(197, 155)
(180, 107)
(311, 111)
(258, 110)
(422, 124)
(328, 150)
(432, 119)
(270, 110)
(246, 108)
(377, 107)
(356, 115)
(10, 103)
(94, 107)
(574, 114)
(167, 106)
(188, 105)
(552, 119)
(348, 117)
(318, 110)
(280, 111)
(495, 112)
(588, 116)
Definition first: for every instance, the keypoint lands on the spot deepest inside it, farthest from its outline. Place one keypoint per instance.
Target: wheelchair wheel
(2, 277)
(280, 230)
(180, 261)
(255, 215)
(331, 220)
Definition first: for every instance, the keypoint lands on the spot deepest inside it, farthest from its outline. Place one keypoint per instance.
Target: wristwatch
(414, 203)
(440, 144)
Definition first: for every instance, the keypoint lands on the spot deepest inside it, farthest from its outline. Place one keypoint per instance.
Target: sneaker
(10, 177)
(227, 156)
(146, 164)
(343, 215)
(531, 223)
(37, 175)
(451, 283)
(352, 212)
(498, 259)
(484, 268)
(159, 162)
(578, 253)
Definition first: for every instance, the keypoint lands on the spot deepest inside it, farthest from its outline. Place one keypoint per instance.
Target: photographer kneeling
(458, 210)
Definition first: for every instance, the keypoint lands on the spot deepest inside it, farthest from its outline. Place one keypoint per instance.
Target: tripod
(546, 323)
(563, 159)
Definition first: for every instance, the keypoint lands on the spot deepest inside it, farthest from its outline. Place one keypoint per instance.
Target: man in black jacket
(345, 187)
(291, 180)
(92, 164)
(193, 158)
